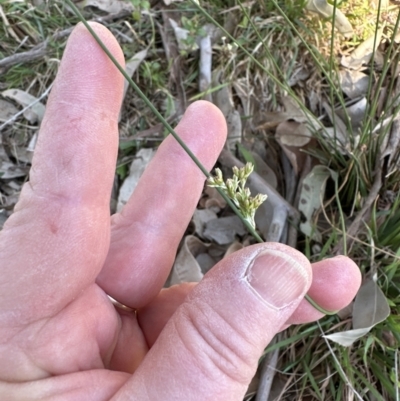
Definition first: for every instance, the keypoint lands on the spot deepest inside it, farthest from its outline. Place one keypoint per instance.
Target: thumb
(210, 347)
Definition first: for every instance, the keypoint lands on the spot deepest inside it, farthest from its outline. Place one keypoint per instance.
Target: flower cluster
(235, 189)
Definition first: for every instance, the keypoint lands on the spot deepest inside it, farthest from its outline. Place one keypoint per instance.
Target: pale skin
(60, 253)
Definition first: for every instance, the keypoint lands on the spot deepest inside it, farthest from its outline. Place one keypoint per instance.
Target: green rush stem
(177, 138)
(274, 79)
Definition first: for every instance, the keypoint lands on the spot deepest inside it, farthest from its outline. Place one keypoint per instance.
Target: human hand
(60, 336)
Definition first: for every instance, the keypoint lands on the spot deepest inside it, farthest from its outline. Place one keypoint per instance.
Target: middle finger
(146, 234)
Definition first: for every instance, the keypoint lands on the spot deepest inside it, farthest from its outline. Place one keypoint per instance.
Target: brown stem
(40, 50)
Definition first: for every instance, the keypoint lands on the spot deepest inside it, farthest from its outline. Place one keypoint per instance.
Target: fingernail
(277, 278)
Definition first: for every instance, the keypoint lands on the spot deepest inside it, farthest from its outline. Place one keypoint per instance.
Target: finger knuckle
(220, 346)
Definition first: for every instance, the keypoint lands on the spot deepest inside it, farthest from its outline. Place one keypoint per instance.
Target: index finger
(55, 243)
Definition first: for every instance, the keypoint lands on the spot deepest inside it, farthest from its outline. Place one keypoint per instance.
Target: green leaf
(247, 156)
(122, 171)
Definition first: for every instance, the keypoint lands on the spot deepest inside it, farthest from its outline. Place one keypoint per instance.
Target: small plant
(152, 71)
(139, 5)
(235, 189)
(195, 30)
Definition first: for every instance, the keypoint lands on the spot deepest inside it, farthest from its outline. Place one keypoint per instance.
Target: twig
(291, 180)
(35, 53)
(41, 50)
(205, 66)
(291, 183)
(173, 56)
(15, 116)
(267, 372)
(278, 223)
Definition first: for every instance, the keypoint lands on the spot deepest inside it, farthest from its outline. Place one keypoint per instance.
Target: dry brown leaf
(326, 10)
(234, 123)
(346, 312)
(3, 154)
(353, 83)
(363, 53)
(212, 200)
(138, 165)
(242, 92)
(334, 118)
(264, 214)
(390, 147)
(337, 134)
(200, 218)
(292, 137)
(311, 197)
(264, 170)
(355, 112)
(224, 229)
(186, 267)
(291, 133)
(194, 259)
(223, 100)
(263, 218)
(10, 170)
(3, 217)
(23, 155)
(32, 142)
(370, 308)
(7, 110)
(270, 119)
(297, 114)
(131, 66)
(293, 110)
(235, 246)
(35, 112)
(10, 193)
